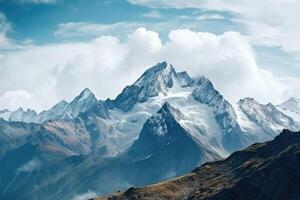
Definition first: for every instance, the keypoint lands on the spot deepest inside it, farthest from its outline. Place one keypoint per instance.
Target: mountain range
(162, 126)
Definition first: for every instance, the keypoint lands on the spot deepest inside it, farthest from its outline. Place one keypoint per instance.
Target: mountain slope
(249, 174)
(292, 104)
(23, 116)
(62, 110)
(15, 134)
(4, 114)
(158, 79)
(157, 151)
(224, 114)
(291, 107)
(263, 121)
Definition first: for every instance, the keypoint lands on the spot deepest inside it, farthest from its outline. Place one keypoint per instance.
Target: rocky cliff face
(223, 111)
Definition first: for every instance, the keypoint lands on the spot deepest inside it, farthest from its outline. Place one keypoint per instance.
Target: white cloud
(107, 64)
(78, 29)
(228, 60)
(5, 27)
(268, 22)
(210, 17)
(37, 1)
(29, 166)
(16, 98)
(153, 14)
(84, 196)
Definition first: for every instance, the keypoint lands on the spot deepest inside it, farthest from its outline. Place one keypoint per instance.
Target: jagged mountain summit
(159, 144)
(166, 123)
(263, 171)
(22, 115)
(265, 117)
(291, 107)
(292, 104)
(62, 110)
(156, 80)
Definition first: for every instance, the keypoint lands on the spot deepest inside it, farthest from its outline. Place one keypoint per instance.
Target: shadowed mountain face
(263, 171)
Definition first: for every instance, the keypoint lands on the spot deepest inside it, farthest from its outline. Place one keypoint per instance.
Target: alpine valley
(162, 126)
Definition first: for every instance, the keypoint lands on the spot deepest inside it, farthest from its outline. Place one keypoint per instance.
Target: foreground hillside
(269, 170)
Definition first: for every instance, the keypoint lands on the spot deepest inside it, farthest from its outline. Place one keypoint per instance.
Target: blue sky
(265, 35)
(39, 21)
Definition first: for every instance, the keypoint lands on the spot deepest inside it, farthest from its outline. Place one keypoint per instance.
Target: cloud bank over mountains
(269, 22)
(39, 76)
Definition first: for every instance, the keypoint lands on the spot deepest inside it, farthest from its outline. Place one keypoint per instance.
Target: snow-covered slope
(53, 113)
(291, 107)
(62, 110)
(83, 102)
(23, 116)
(164, 143)
(292, 104)
(255, 118)
(4, 114)
(156, 80)
(224, 114)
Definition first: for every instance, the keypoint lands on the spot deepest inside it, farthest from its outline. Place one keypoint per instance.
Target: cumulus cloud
(107, 64)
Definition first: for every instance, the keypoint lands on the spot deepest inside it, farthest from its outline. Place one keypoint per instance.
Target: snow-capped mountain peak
(83, 102)
(166, 115)
(166, 145)
(223, 112)
(207, 94)
(160, 72)
(170, 110)
(157, 79)
(292, 104)
(267, 116)
(23, 116)
(85, 95)
(53, 113)
(62, 110)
